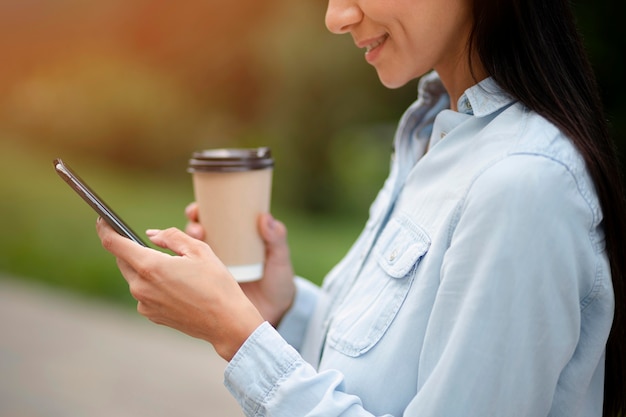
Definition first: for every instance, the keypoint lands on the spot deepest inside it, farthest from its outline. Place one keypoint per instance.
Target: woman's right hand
(274, 293)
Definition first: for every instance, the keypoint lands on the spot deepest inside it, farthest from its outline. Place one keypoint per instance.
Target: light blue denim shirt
(479, 286)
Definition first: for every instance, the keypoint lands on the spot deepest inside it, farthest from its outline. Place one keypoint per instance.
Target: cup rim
(231, 159)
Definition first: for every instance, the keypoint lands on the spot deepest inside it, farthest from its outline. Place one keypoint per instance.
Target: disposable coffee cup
(232, 187)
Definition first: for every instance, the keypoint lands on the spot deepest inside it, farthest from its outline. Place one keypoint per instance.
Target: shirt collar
(484, 98)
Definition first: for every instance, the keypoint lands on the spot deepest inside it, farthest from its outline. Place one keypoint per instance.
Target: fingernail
(152, 232)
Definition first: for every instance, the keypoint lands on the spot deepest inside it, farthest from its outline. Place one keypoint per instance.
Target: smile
(376, 44)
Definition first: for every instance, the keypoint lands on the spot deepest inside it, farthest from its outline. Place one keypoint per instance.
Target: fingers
(118, 245)
(177, 241)
(195, 230)
(274, 234)
(135, 282)
(135, 255)
(191, 211)
(193, 227)
(127, 252)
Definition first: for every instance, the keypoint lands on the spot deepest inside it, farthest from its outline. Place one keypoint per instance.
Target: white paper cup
(232, 187)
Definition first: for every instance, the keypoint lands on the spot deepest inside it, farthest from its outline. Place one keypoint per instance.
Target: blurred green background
(125, 90)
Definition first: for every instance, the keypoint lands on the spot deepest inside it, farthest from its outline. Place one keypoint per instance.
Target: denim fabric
(479, 286)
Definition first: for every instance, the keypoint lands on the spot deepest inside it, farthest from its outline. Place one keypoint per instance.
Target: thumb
(274, 234)
(175, 240)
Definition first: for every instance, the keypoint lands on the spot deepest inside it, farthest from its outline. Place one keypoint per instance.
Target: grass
(48, 233)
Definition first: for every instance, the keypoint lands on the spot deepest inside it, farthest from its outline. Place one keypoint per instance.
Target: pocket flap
(401, 244)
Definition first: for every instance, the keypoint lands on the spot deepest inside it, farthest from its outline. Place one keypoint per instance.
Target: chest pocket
(380, 289)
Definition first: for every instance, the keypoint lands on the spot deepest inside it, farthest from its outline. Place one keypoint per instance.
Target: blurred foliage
(129, 115)
(144, 83)
(126, 90)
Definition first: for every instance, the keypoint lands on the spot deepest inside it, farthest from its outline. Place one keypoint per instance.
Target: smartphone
(96, 203)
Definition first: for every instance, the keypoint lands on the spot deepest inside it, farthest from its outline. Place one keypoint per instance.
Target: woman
(490, 272)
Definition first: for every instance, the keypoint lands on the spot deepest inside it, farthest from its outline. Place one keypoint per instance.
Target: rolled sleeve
(253, 373)
(267, 377)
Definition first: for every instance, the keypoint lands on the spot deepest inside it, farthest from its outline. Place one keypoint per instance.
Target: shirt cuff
(294, 323)
(255, 370)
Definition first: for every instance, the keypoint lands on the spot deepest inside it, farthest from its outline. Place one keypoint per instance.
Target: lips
(371, 45)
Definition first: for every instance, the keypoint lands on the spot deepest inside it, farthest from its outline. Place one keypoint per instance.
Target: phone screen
(91, 198)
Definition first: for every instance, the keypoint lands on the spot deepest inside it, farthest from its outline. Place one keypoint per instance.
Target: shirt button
(393, 255)
(442, 135)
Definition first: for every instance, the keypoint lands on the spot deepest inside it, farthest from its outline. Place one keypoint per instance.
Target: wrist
(279, 314)
(234, 337)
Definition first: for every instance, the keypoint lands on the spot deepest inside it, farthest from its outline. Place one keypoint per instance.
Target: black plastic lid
(228, 160)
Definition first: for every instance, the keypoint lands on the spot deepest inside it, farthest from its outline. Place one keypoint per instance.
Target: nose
(341, 15)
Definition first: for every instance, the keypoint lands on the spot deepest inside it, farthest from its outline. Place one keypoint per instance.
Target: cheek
(406, 64)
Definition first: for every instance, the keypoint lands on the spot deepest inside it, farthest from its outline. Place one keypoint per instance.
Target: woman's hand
(191, 291)
(274, 294)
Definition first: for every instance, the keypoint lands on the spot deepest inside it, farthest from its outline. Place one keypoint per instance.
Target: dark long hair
(533, 50)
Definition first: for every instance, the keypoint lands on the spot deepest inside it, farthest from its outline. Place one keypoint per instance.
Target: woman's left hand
(191, 291)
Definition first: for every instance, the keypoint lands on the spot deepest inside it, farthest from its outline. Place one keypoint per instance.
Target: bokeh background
(125, 90)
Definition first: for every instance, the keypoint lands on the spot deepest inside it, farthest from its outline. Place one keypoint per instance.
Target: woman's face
(404, 39)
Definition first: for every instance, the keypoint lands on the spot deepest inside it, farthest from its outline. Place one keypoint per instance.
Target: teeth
(375, 44)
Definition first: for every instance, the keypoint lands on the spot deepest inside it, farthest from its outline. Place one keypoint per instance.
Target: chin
(394, 82)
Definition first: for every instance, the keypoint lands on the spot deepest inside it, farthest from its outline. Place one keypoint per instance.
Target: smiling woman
(492, 252)
(405, 39)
